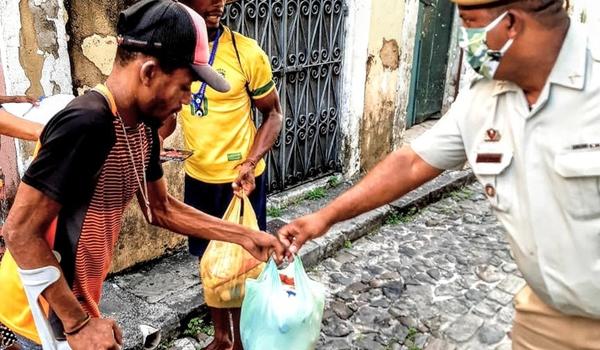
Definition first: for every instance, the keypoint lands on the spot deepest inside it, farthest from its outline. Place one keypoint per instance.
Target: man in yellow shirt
(219, 129)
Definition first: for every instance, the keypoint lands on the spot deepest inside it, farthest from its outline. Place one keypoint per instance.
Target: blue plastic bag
(279, 316)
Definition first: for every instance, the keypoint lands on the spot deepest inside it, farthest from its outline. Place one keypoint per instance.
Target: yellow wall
(379, 120)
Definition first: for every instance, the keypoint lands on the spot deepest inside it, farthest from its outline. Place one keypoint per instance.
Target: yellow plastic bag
(226, 266)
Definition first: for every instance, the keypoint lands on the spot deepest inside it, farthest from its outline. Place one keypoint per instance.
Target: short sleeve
(260, 73)
(74, 146)
(442, 146)
(155, 170)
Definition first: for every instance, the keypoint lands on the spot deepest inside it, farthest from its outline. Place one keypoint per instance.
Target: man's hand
(23, 99)
(246, 181)
(308, 227)
(262, 245)
(98, 334)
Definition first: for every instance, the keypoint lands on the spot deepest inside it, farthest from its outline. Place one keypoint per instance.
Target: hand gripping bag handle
(234, 214)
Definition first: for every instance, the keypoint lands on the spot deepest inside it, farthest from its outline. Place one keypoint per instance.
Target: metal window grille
(304, 39)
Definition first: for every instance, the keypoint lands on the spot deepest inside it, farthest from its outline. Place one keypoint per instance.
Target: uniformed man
(530, 130)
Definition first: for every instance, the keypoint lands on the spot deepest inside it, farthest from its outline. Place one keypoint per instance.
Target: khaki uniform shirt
(540, 168)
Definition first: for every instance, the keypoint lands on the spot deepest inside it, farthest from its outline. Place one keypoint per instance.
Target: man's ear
(515, 26)
(148, 72)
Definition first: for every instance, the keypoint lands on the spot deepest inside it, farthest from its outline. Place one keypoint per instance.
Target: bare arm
(174, 215)
(268, 131)
(19, 99)
(399, 173)
(20, 128)
(29, 219)
(266, 135)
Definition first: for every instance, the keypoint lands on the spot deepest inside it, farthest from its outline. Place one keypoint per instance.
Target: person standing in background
(228, 149)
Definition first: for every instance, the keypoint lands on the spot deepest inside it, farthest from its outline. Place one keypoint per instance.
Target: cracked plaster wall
(380, 123)
(34, 59)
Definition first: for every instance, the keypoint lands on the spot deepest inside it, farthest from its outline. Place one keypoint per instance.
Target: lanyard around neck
(198, 98)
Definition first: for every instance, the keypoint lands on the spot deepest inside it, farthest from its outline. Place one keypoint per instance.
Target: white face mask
(474, 41)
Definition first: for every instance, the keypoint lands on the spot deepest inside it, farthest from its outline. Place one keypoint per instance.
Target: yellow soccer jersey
(222, 133)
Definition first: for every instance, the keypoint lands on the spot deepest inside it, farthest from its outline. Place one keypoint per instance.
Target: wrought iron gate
(304, 39)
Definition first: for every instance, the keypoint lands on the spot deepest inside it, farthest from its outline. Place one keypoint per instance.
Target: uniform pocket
(493, 177)
(580, 171)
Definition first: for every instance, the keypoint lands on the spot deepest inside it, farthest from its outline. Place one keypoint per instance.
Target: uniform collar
(569, 69)
(502, 86)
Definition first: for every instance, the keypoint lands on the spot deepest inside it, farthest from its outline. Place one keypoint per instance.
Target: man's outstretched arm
(20, 128)
(396, 175)
(170, 213)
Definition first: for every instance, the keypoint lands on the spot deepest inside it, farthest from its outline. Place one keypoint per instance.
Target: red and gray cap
(169, 30)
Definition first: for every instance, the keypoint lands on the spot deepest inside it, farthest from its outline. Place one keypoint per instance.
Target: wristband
(251, 161)
(79, 327)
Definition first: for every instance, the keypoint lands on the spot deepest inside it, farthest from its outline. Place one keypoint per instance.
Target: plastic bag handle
(300, 277)
(234, 212)
(249, 219)
(271, 272)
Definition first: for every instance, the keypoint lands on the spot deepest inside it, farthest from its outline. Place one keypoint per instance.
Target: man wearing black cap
(529, 127)
(95, 155)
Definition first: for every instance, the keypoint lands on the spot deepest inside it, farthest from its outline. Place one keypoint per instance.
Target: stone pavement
(441, 279)
(166, 294)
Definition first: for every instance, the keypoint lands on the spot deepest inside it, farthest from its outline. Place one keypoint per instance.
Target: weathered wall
(455, 68)
(354, 80)
(34, 58)
(92, 31)
(382, 74)
(409, 28)
(2, 84)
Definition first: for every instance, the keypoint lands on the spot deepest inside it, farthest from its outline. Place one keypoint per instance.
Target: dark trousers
(213, 199)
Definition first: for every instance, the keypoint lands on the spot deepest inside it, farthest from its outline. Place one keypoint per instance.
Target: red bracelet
(79, 327)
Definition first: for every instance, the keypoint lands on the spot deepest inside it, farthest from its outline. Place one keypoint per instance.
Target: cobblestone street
(441, 279)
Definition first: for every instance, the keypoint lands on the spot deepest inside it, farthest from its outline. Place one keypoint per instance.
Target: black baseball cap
(169, 30)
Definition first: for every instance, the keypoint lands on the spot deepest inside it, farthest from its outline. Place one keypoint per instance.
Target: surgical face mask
(479, 56)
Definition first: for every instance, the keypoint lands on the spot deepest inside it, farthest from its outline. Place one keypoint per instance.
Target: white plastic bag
(42, 113)
(280, 316)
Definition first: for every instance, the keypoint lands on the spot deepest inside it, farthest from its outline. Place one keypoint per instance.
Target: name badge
(489, 158)
(492, 155)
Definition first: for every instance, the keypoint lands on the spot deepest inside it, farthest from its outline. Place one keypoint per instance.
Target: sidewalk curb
(166, 294)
